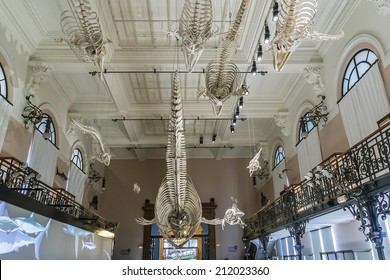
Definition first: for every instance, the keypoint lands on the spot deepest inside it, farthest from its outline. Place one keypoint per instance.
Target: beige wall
(218, 179)
(17, 141)
(333, 138)
(293, 174)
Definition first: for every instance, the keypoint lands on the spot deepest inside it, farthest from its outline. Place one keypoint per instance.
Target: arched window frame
(43, 127)
(3, 83)
(279, 156)
(359, 64)
(78, 159)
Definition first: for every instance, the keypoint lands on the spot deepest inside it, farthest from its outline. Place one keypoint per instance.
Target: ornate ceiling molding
(312, 75)
(281, 120)
(382, 7)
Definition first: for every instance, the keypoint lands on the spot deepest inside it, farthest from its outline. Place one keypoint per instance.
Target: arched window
(3, 83)
(279, 156)
(46, 127)
(306, 126)
(77, 158)
(360, 63)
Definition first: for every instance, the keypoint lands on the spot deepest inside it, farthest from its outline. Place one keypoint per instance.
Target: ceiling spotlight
(234, 120)
(254, 68)
(214, 138)
(266, 33)
(201, 140)
(237, 114)
(260, 53)
(232, 128)
(241, 102)
(275, 11)
(245, 89)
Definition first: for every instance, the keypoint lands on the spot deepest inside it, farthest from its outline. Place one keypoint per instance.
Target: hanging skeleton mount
(195, 29)
(296, 19)
(83, 33)
(178, 209)
(222, 75)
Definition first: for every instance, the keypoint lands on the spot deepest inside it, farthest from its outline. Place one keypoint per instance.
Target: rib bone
(222, 75)
(83, 33)
(296, 18)
(195, 29)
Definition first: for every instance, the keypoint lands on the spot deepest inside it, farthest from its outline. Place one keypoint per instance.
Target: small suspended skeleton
(100, 150)
(83, 33)
(136, 188)
(296, 18)
(254, 164)
(232, 216)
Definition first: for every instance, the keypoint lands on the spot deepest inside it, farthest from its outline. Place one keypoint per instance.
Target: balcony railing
(16, 176)
(340, 176)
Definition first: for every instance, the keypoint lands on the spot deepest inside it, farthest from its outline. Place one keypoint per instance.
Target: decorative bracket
(313, 77)
(281, 120)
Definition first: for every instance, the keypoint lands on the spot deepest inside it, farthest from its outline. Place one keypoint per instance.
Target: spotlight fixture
(254, 68)
(237, 113)
(260, 53)
(275, 11)
(214, 138)
(234, 120)
(266, 33)
(232, 128)
(241, 102)
(201, 140)
(245, 88)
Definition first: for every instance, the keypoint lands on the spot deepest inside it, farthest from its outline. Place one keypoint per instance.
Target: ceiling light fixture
(234, 122)
(275, 11)
(260, 53)
(214, 138)
(201, 140)
(254, 68)
(241, 102)
(232, 128)
(267, 34)
(237, 113)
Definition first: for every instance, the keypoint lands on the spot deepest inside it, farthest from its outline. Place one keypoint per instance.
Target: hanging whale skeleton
(295, 21)
(178, 208)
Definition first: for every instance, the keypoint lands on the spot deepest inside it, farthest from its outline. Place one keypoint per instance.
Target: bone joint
(222, 75)
(296, 19)
(195, 28)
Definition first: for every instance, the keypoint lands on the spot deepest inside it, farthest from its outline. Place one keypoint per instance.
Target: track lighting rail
(155, 71)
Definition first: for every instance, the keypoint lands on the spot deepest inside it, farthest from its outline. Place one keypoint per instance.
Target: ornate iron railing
(342, 175)
(16, 176)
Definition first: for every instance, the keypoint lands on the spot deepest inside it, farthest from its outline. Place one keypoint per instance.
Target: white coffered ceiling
(142, 38)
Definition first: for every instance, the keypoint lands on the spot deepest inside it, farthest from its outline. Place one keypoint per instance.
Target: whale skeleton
(295, 21)
(178, 208)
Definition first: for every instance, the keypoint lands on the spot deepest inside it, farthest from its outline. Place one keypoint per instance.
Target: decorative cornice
(312, 75)
(281, 120)
(382, 7)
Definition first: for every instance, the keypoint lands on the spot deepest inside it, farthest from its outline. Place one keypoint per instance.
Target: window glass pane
(279, 156)
(362, 61)
(361, 56)
(348, 73)
(362, 68)
(371, 58)
(3, 83)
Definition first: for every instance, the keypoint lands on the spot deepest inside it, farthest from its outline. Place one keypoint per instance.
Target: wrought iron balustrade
(16, 176)
(348, 174)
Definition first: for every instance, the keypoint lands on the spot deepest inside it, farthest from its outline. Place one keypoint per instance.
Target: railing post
(367, 210)
(264, 239)
(297, 230)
